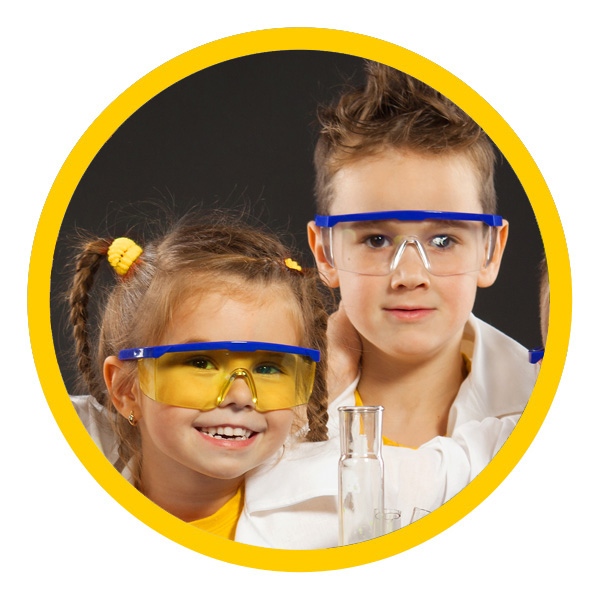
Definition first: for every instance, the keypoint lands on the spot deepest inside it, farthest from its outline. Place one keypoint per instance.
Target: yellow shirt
(386, 441)
(224, 521)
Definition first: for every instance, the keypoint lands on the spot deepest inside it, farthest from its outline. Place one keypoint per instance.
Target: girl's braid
(317, 406)
(86, 268)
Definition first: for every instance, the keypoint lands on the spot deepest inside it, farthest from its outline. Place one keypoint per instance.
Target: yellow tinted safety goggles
(199, 375)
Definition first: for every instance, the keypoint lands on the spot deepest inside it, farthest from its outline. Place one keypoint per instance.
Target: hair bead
(292, 264)
(122, 253)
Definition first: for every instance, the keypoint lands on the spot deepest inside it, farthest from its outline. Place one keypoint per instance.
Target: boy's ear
(328, 274)
(121, 388)
(488, 275)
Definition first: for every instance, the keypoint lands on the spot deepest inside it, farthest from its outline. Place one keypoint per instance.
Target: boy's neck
(417, 395)
(189, 496)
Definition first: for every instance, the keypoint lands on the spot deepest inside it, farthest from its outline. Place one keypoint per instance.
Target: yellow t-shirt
(224, 521)
(386, 441)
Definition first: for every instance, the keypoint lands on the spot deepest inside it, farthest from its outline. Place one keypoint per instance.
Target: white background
(63, 63)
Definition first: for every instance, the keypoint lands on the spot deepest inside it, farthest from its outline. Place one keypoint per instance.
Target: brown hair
(396, 111)
(138, 307)
(544, 299)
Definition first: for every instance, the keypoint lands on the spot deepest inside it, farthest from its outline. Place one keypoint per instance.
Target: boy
(451, 385)
(398, 145)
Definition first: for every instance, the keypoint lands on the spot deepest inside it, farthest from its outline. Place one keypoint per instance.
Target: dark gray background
(242, 133)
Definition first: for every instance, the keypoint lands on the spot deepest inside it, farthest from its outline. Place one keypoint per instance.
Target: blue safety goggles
(448, 243)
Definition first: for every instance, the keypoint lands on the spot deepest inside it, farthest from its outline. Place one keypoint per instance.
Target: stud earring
(132, 420)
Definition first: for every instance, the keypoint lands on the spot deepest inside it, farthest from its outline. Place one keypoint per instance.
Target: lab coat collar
(310, 468)
(310, 472)
(488, 391)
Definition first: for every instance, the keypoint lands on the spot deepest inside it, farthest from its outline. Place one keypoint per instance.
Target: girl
(207, 349)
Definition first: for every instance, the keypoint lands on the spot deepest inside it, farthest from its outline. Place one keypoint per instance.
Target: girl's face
(177, 441)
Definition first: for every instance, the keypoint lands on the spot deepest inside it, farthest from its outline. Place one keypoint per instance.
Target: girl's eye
(442, 242)
(202, 363)
(377, 241)
(268, 370)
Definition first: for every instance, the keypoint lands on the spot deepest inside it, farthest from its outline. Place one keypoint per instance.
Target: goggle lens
(200, 379)
(445, 246)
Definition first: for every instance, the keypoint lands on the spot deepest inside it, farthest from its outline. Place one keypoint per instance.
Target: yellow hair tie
(292, 264)
(122, 253)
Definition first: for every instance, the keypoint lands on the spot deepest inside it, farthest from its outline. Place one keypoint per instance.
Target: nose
(409, 265)
(239, 391)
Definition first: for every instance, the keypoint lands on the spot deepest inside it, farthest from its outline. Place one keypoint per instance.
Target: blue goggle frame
(536, 354)
(408, 215)
(158, 351)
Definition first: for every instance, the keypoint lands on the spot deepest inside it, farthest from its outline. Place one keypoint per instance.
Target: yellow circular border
(101, 130)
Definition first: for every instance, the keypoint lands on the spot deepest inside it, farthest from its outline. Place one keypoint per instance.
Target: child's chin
(230, 471)
(229, 474)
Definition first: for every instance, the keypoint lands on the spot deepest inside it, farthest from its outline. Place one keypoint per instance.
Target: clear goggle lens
(200, 377)
(377, 247)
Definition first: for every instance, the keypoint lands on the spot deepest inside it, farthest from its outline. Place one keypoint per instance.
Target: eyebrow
(446, 223)
(452, 223)
(371, 224)
(280, 355)
(191, 341)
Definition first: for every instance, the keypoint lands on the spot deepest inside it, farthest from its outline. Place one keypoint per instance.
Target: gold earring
(132, 420)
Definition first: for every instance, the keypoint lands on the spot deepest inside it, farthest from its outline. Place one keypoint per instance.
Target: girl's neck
(417, 394)
(183, 493)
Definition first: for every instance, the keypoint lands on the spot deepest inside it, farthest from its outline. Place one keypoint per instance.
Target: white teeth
(227, 432)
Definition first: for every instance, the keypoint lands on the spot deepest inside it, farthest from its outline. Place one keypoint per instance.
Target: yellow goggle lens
(201, 379)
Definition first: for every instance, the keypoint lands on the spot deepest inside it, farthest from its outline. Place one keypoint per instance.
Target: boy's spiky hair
(396, 111)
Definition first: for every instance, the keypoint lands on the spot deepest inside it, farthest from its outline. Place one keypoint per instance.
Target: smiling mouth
(227, 433)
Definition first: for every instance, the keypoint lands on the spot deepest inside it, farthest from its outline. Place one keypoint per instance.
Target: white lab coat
(291, 503)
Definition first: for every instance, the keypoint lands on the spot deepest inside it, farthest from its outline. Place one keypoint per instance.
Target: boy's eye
(377, 241)
(441, 242)
(202, 363)
(268, 369)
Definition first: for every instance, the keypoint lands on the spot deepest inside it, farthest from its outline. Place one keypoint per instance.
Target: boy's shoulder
(501, 378)
(488, 342)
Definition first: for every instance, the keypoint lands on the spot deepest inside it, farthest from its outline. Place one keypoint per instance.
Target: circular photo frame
(67, 182)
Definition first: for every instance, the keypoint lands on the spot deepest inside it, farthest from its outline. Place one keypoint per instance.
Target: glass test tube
(360, 484)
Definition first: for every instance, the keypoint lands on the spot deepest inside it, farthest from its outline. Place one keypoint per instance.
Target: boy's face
(408, 313)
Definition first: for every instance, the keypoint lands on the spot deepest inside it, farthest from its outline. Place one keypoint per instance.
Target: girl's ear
(121, 388)
(488, 275)
(328, 274)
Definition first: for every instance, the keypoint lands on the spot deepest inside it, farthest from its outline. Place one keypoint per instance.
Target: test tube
(360, 484)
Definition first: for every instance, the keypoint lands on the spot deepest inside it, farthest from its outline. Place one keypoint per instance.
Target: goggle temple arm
(492, 244)
(536, 354)
(327, 242)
